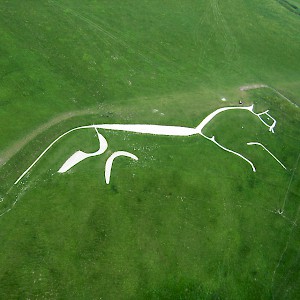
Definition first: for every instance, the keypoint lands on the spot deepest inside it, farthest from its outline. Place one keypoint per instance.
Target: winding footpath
(7, 154)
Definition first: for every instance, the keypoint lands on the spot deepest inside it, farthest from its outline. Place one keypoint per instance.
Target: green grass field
(186, 221)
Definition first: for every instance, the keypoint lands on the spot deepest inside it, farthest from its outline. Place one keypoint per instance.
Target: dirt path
(164, 130)
(8, 153)
(252, 87)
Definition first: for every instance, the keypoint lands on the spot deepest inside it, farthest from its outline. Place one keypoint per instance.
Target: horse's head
(267, 120)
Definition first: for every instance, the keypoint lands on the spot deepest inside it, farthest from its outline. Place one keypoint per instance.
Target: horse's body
(149, 129)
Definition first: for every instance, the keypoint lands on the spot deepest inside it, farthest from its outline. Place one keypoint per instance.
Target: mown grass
(188, 220)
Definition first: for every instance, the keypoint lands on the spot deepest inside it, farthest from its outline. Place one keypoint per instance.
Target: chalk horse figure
(79, 156)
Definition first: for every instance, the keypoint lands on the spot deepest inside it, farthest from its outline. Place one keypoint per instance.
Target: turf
(188, 220)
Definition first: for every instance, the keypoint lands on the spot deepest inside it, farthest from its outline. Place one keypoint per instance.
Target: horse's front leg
(79, 156)
(110, 160)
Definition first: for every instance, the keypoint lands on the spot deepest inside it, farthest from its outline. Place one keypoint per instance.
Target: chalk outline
(259, 144)
(154, 130)
(110, 160)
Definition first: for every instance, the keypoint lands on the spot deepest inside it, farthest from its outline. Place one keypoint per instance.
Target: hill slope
(188, 220)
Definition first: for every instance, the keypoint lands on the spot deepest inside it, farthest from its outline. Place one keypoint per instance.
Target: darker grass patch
(291, 7)
(180, 289)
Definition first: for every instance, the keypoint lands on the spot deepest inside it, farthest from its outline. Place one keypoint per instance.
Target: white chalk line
(110, 160)
(80, 155)
(149, 129)
(233, 152)
(259, 144)
(271, 128)
(42, 154)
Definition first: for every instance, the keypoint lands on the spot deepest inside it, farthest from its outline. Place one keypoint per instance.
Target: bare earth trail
(252, 87)
(8, 153)
(164, 130)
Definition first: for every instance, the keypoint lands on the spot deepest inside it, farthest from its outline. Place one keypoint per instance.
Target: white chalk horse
(154, 130)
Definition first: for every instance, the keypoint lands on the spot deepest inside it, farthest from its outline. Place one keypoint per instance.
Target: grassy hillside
(188, 220)
(292, 6)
